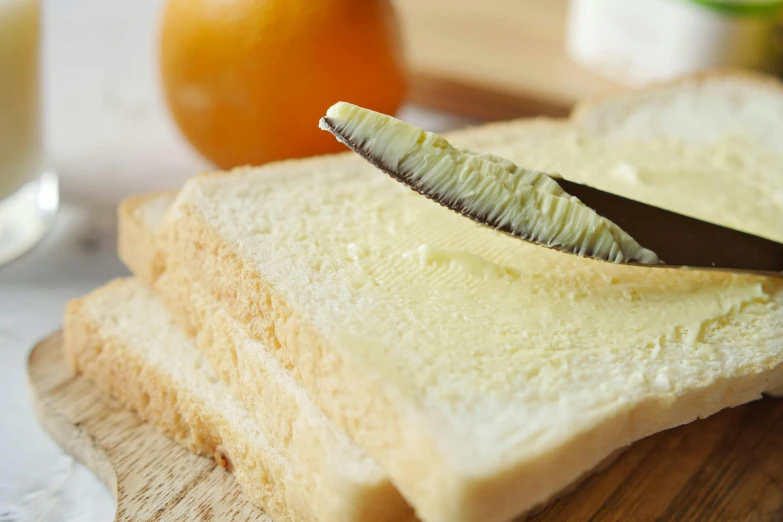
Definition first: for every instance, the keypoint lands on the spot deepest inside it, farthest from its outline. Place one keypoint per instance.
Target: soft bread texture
(136, 246)
(706, 108)
(123, 339)
(358, 487)
(249, 368)
(228, 348)
(351, 279)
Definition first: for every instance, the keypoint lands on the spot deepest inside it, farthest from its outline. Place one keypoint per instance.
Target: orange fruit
(247, 80)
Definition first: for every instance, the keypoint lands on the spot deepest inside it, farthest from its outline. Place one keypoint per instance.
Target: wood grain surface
(150, 475)
(728, 467)
(493, 59)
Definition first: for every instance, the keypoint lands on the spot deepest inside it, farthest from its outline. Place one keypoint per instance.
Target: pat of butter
(627, 173)
(460, 261)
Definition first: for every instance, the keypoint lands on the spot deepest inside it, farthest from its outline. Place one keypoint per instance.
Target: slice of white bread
(123, 339)
(486, 374)
(357, 486)
(236, 356)
(138, 219)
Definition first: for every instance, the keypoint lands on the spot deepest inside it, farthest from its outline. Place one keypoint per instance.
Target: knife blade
(683, 241)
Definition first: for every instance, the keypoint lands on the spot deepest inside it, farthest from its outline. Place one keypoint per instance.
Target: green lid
(751, 8)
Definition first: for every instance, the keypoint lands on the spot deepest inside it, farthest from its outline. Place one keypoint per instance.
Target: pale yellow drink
(20, 135)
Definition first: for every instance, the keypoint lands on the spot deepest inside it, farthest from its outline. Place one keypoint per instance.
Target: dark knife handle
(681, 240)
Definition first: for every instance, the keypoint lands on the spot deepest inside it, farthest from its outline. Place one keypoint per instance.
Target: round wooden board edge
(151, 476)
(69, 435)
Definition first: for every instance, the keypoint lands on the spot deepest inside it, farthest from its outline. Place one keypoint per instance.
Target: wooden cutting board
(150, 475)
(728, 467)
(493, 59)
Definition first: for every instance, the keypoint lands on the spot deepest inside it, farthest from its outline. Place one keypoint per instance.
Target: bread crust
(287, 422)
(377, 499)
(141, 387)
(765, 81)
(136, 247)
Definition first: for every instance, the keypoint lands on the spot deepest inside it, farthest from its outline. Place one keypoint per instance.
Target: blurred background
(140, 96)
(106, 117)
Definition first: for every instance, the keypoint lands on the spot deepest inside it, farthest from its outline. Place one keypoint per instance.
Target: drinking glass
(29, 194)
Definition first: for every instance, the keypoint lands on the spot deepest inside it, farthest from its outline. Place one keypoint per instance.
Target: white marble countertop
(109, 136)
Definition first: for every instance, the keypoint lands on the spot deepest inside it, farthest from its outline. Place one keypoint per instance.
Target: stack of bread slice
(356, 352)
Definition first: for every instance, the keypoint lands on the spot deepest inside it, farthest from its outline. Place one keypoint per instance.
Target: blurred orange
(247, 80)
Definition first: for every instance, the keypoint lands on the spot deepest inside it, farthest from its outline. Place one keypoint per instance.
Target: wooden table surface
(493, 59)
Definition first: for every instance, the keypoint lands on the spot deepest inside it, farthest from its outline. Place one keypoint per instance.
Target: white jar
(636, 41)
(28, 193)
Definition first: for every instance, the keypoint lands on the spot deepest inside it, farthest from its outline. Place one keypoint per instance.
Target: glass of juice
(28, 190)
